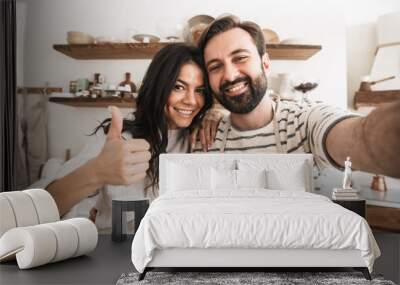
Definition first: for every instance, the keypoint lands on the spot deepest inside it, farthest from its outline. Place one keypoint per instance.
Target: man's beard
(246, 102)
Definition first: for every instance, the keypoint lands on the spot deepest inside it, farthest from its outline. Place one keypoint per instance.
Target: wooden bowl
(195, 27)
(79, 38)
(271, 37)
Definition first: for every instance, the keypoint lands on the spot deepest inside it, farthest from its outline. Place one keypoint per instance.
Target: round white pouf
(23, 208)
(6, 215)
(67, 240)
(34, 245)
(45, 205)
(40, 244)
(87, 234)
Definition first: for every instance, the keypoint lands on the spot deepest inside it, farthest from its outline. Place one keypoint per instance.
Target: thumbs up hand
(121, 162)
(115, 130)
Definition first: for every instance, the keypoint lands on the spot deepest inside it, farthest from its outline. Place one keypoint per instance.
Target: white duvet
(253, 218)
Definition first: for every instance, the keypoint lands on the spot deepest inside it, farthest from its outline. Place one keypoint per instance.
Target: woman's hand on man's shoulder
(207, 130)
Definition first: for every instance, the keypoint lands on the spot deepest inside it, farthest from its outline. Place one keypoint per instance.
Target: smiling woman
(186, 98)
(123, 160)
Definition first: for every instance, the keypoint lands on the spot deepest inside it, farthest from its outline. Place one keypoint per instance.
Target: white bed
(246, 210)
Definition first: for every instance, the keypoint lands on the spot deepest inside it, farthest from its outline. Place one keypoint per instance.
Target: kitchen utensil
(366, 85)
(284, 86)
(130, 32)
(195, 27)
(78, 38)
(146, 38)
(271, 37)
(128, 83)
(199, 19)
(82, 84)
(304, 85)
(104, 40)
(170, 30)
(172, 39)
(295, 41)
(72, 86)
(378, 183)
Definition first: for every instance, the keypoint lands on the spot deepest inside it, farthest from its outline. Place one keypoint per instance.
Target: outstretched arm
(372, 142)
(74, 187)
(120, 162)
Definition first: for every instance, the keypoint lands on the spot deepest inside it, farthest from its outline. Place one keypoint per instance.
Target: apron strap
(227, 126)
(276, 130)
(276, 126)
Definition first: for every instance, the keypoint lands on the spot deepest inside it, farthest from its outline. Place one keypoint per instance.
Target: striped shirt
(302, 129)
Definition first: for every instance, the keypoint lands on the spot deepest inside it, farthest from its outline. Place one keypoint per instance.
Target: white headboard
(281, 162)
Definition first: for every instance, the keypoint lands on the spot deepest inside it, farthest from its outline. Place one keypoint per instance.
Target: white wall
(361, 37)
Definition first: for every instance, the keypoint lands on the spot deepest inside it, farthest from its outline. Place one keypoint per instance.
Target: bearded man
(236, 60)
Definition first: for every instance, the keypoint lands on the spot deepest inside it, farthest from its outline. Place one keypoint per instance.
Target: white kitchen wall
(361, 38)
(345, 29)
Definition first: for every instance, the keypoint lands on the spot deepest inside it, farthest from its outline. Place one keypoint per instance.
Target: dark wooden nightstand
(119, 222)
(357, 206)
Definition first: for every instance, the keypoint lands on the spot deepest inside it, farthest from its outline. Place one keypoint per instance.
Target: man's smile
(236, 89)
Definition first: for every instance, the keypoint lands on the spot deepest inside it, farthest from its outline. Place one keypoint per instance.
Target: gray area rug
(229, 278)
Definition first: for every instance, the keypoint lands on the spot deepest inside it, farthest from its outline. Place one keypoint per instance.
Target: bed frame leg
(364, 271)
(143, 274)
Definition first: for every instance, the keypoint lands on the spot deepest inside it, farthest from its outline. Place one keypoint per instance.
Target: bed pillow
(228, 179)
(282, 174)
(293, 180)
(251, 178)
(188, 177)
(224, 179)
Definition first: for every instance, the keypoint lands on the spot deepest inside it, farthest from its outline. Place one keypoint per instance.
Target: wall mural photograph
(212, 142)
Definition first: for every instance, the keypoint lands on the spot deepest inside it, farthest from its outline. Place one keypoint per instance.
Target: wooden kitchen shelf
(38, 90)
(147, 51)
(95, 102)
(292, 52)
(375, 98)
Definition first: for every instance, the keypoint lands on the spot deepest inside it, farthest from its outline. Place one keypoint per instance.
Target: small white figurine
(347, 174)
